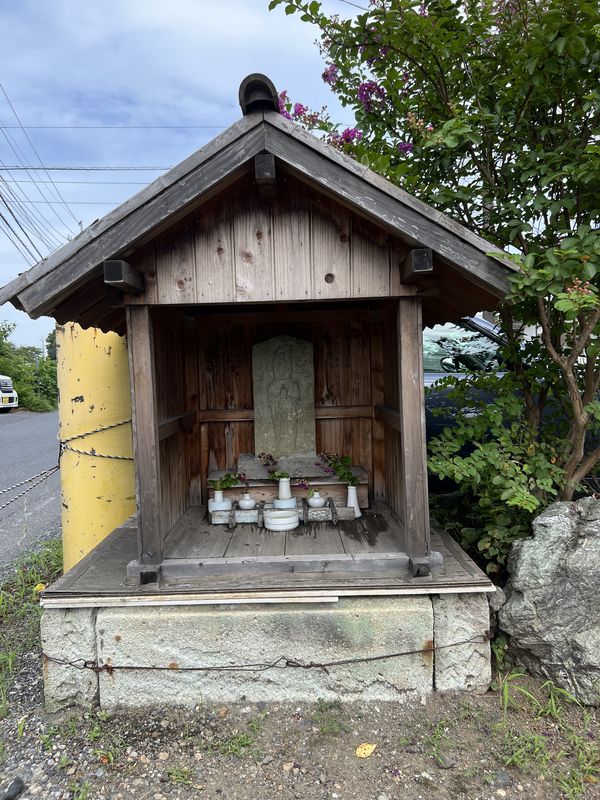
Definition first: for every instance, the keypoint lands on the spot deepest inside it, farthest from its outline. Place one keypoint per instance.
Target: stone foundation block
(457, 618)
(68, 635)
(190, 636)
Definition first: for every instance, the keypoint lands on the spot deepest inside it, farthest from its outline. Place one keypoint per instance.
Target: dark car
(453, 349)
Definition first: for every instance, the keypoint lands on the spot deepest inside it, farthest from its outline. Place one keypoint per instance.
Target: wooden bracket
(265, 176)
(420, 567)
(123, 276)
(143, 573)
(417, 264)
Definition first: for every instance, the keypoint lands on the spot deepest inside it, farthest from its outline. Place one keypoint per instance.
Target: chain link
(22, 483)
(64, 446)
(64, 443)
(29, 488)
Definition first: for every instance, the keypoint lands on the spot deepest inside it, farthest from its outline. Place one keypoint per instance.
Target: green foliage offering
(228, 480)
(33, 376)
(490, 112)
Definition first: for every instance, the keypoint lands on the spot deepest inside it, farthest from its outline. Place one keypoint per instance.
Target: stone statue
(283, 386)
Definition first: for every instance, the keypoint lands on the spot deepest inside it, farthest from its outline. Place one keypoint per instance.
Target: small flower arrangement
(341, 466)
(304, 484)
(227, 481)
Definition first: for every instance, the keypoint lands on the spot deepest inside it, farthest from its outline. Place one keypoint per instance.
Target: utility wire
(22, 244)
(14, 147)
(19, 225)
(42, 224)
(58, 194)
(31, 218)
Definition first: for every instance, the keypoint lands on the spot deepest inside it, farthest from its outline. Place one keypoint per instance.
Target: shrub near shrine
(489, 111)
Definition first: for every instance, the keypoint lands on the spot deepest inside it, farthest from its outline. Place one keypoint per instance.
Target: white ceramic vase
(218, 502)
(285, 491)
(247, 502)
(352, 501)
(316, 501)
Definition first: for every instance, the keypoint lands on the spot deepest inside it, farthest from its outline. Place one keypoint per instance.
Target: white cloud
(136, 62)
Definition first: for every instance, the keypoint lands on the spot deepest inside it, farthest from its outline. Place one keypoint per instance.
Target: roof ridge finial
(257, 93)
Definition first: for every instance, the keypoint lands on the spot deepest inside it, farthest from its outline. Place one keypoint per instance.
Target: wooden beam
(389, 416)
(176, 424)
(321, 412)
(123, 276)
(418, 263)
(412, 469)
(140, 343)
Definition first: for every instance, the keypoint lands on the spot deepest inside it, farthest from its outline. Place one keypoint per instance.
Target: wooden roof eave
(46, 286)
(41, 288)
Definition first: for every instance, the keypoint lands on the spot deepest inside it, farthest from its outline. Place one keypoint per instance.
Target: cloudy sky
(125, 83)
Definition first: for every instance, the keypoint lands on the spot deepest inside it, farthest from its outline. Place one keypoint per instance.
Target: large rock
(552, 612)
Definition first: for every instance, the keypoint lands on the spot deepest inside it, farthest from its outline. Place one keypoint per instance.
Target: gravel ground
(445, 746)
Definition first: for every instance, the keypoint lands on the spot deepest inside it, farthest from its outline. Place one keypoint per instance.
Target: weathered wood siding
(301, 246)
(174, 453)
(204, 364)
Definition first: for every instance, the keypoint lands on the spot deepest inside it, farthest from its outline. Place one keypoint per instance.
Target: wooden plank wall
(302, 246)
(206, 364)
(171, 346)
(393, 448)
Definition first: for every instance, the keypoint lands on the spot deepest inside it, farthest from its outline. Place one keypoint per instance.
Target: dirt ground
(441, 746)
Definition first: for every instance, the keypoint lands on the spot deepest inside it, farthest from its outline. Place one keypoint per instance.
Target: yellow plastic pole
(98, 494)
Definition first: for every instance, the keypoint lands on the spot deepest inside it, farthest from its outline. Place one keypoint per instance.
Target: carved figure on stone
(283, 387)
(283, 394)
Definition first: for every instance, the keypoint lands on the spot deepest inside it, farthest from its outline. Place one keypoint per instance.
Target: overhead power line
(58, 194)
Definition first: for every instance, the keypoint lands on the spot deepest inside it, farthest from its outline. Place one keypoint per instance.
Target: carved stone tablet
(284, 405)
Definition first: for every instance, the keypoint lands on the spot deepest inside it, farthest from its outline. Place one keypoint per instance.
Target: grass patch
(328, 715)
(567, 752)
(20, 609)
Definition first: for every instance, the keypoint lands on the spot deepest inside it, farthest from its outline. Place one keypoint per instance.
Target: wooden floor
(318, 561)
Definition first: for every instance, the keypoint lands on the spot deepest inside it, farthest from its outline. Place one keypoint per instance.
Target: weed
(47, 738)
(437, 738)
(80, 791)
(95, 732)
(181, 775)
(255, 725)
(510, 688)
(70, 726)
(104, 756)
(64, 761)
(327, 715)
(525, 749)
(554, 703)
(499, 646)
(19, 606)
(236, 745)
(21, 727)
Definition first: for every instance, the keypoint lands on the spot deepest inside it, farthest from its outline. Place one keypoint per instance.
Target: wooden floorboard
(249, 540)
(103, 572)
(314, 539)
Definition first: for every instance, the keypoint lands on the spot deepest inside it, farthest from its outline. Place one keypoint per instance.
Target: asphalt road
(28, 445)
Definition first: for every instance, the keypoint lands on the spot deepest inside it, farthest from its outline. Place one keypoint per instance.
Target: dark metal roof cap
(257, 93)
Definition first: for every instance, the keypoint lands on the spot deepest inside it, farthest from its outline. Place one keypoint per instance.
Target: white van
(9, 399)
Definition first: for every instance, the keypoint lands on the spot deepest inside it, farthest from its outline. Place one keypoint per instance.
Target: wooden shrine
(268, 232)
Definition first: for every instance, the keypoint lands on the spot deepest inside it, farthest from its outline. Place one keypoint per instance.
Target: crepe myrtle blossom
(330, 74)
(370, 94)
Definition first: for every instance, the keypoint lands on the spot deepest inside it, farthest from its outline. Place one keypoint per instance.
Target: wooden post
(413, 469)
(140, 343)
